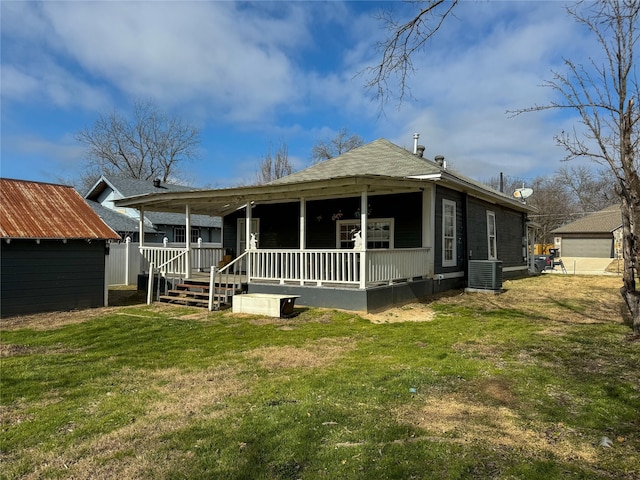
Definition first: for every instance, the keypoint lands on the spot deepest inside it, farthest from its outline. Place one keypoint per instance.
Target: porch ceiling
(223, 201)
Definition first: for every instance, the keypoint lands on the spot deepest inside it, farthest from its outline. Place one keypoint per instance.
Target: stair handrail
(217, 273)
(173, 259)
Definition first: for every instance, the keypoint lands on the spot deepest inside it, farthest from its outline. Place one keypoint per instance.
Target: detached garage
(597, 235)
(52, 249)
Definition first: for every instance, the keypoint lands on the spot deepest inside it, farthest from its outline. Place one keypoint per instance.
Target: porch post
(141, 227)
(303, 215)
(428, 223)
(247, 246)
(187, 240)
(364, 217)
(141, 262)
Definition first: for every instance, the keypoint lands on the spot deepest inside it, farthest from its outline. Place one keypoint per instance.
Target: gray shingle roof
(606, 220)
(116, 220)
(380, 157)
(129, 187)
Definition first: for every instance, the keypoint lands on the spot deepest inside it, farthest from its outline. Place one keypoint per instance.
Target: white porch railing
(173, 258)
(327, 266)
(338, 266)
(391, 265)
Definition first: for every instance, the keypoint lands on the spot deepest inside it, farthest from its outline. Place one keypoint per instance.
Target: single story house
(53, 248)
(157, 225)
(596, 235)
(376, 226)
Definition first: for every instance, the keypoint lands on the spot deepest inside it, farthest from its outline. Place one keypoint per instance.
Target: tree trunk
(630, 244)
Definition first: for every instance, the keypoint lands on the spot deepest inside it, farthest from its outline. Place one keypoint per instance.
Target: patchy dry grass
(525, 384)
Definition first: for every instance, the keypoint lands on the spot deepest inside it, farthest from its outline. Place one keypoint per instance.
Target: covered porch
(358, 267)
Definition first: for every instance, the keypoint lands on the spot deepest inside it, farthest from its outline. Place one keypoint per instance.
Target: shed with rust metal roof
(53, 248)
(37, 210)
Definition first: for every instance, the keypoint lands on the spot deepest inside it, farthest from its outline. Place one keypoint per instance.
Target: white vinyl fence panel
(124, 263)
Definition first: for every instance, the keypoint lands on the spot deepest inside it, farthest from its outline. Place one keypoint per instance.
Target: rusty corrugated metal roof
(47, 211)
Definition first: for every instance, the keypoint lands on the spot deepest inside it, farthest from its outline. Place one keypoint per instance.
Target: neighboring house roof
(118, 221)
(129, 187)
(36, 210)
(606, 220)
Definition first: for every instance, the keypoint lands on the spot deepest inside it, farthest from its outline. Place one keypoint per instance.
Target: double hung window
(379, 233)
(491, 236)
(448, 233)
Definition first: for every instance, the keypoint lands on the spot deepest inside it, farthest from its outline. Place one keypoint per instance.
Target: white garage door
(587, 247)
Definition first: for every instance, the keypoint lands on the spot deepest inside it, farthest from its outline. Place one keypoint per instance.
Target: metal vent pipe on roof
(416, 136)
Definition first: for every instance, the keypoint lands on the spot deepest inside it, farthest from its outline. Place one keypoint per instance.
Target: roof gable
(129, 187)
(47, 211)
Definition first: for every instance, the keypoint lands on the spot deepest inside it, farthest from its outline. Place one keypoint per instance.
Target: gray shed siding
(51, 276)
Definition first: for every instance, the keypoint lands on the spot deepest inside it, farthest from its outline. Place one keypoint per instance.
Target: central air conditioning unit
(485, 274)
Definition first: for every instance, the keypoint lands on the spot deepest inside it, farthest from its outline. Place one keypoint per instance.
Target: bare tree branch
(343, 142)
(274, 166)
(148, 145)
(403, 42)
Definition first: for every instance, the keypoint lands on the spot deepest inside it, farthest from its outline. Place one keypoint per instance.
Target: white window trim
(356, 221)
(454, 261)
(494, 240)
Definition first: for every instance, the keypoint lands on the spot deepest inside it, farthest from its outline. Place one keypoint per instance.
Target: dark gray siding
(278, 226)
(510, 230)
(279, 223)
(50, 276)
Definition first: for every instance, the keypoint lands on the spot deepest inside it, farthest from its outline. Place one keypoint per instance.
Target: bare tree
(404, 39)
(605, 95)
(592, 190)
(274, 166)
(343, 142)
(554, 203)
(148, 145)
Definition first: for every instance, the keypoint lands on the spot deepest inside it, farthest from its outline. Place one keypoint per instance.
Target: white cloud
(229, 57)
(247, 65)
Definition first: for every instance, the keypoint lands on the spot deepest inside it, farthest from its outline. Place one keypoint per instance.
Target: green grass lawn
(521, 385)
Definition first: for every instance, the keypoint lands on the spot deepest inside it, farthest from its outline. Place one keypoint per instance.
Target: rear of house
(52, 249)
(426, 228)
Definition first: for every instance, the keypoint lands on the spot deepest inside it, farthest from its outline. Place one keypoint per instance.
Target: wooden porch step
(189, 301)
(197, 293)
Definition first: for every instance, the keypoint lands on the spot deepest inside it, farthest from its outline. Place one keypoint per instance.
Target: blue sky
(251, 75)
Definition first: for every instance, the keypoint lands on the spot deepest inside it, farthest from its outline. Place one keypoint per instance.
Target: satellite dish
(523, 193)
